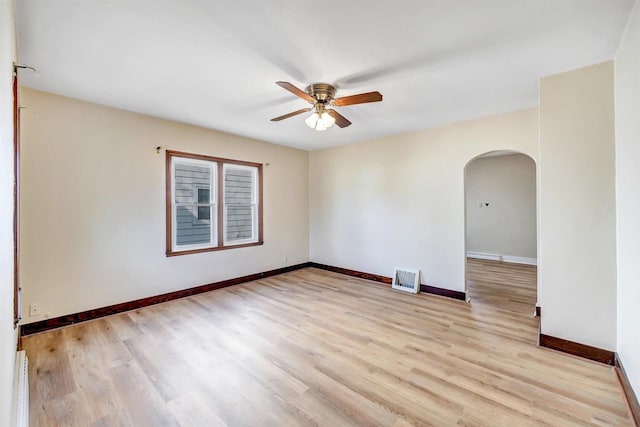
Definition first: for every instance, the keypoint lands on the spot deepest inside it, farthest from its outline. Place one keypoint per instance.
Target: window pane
(239, 188)
(188, 178)
(203, 195)
(189, 231)
(192, 186)
(204, 213)
(239, 222)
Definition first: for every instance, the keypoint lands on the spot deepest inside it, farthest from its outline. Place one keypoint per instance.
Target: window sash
(254, 227)
(253, 205)
(193, 206)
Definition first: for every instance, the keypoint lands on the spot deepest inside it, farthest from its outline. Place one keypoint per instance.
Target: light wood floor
(503, 286)
(315, 348)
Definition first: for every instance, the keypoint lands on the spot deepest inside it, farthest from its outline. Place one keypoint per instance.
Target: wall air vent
(406, 279)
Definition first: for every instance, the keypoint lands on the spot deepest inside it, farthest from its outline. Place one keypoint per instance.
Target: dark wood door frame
(17, 291)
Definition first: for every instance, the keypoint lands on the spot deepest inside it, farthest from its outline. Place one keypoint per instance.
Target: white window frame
(254, 205)
(213, 218)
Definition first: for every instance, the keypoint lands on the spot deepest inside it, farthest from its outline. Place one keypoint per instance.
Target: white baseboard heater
(505, 258)
(20, 408)
(484, 255)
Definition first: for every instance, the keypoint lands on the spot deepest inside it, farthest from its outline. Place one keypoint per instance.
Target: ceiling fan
(321, 97)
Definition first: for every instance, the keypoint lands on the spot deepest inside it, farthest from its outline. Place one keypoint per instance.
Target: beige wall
(627, 82)
(93, 206)
(577, 273)
(508, 225)
(8, 337)
(399, 200)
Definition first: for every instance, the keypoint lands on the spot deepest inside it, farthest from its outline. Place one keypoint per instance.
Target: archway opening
(501, 231)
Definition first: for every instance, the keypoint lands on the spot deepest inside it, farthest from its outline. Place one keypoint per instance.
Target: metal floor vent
(406, 279)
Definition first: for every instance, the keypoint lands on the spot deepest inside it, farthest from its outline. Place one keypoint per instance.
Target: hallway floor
(502, 285)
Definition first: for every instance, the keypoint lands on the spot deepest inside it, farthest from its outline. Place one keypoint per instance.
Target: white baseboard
(520, 260)
(484, 255)
(505, 258)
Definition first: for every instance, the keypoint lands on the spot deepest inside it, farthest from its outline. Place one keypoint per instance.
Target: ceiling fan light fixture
(320, 121)
(312, 120)
(328, 119)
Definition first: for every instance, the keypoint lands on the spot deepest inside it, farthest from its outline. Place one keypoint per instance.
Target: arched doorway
(501, 231)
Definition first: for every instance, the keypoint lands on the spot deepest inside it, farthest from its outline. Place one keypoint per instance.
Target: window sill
(217, 248)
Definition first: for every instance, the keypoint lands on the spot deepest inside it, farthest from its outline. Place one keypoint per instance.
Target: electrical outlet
(34, 310)
(284, 259)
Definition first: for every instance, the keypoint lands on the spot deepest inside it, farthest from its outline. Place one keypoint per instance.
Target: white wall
(627, 92)
(508, 225)
(8, 337)
(93, 206)
(399, 200)
(577, 253)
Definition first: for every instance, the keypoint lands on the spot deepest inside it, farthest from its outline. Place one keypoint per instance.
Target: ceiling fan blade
(297, 92)
(361, 98)
(295, 113)
(340, 119)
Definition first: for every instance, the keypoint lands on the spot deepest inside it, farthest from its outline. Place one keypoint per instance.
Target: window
(212, 203)
(204, 204)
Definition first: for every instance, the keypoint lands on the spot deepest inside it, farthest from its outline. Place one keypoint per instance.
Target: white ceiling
(213, 63)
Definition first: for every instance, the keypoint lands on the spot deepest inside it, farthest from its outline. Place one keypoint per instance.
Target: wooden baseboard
(353, 273)
(387, 280)
(70, 319)
(629, 394)
(462, 296)
(577, 349)
(599, 355)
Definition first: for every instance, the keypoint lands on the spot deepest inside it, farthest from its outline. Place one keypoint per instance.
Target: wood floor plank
(316, 348)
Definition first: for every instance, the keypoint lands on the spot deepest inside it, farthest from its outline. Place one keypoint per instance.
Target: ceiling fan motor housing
(322, 92)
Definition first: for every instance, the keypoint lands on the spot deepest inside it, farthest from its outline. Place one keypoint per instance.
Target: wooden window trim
(219, 205)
